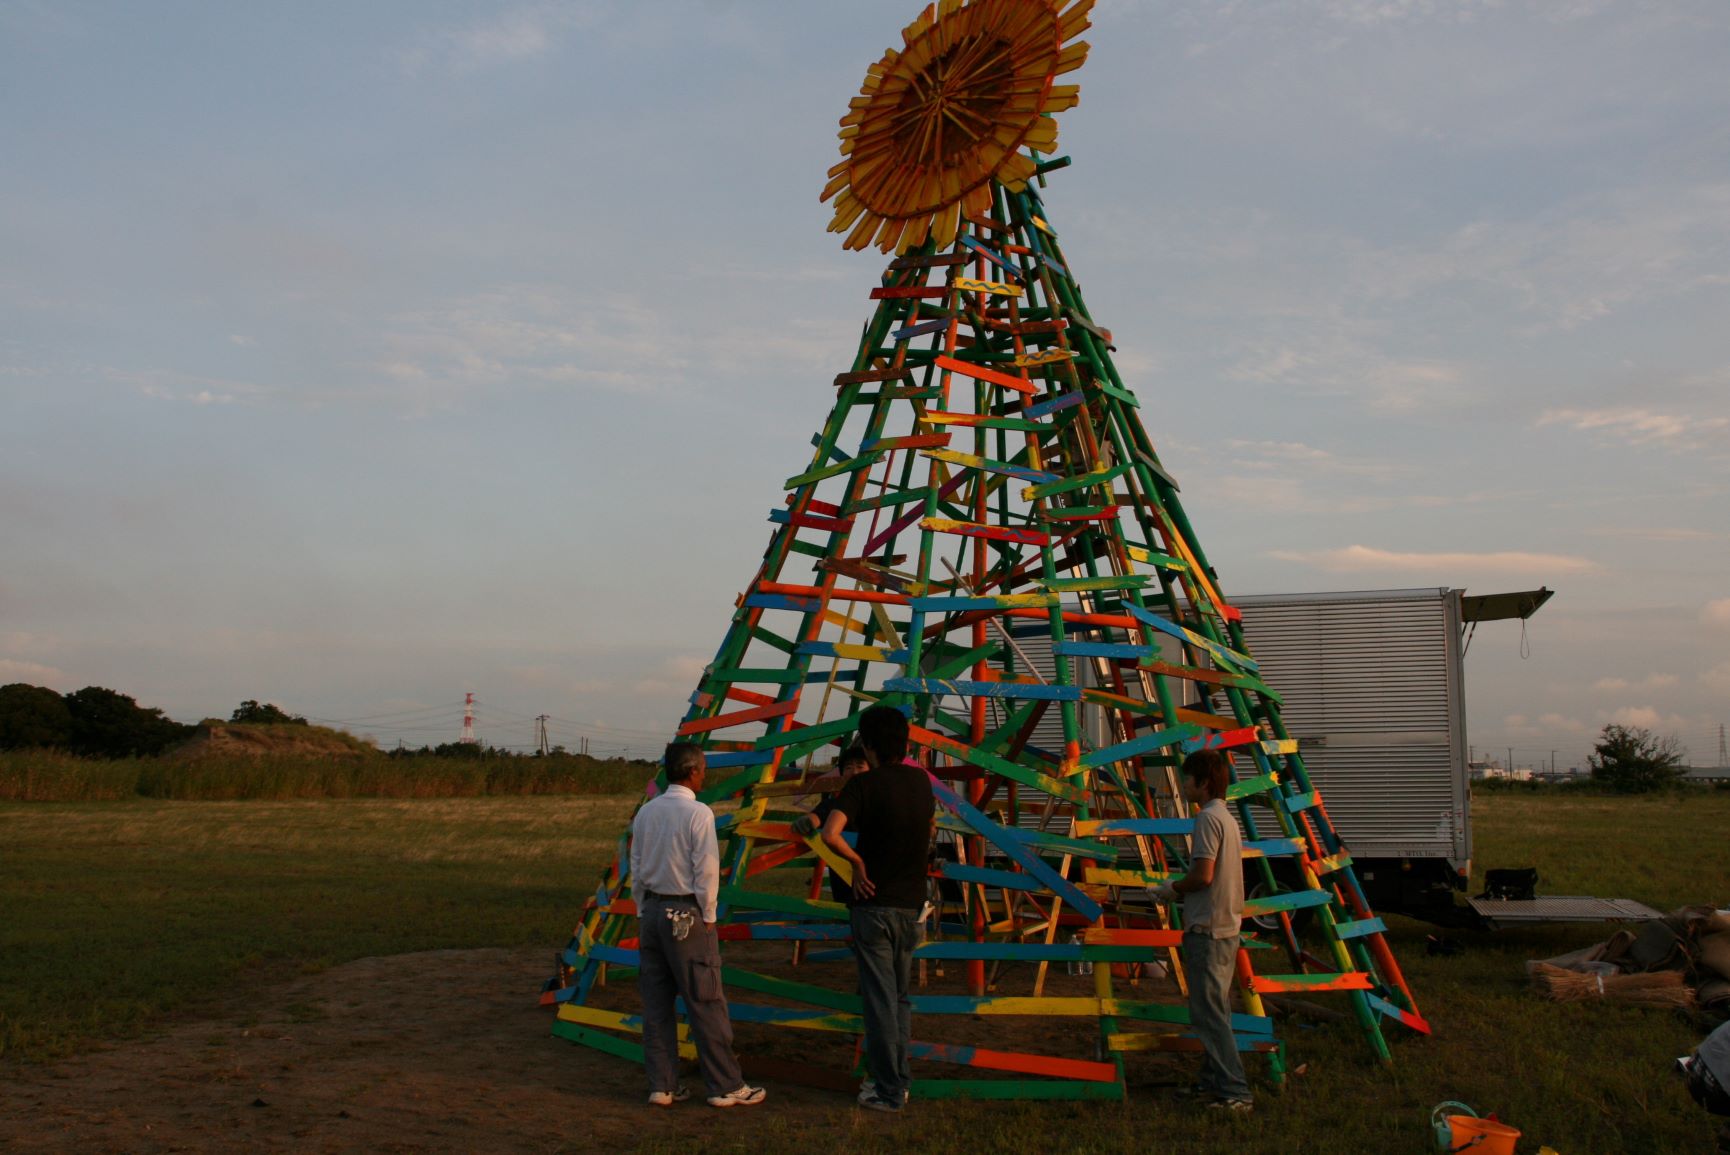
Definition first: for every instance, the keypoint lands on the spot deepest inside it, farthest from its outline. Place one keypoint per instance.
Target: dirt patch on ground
(443, 1051)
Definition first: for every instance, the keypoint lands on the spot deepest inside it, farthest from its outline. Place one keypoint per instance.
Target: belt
(659, 897)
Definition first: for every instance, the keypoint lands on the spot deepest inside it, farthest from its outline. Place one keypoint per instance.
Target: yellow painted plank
(995, 288)
(1043, 357)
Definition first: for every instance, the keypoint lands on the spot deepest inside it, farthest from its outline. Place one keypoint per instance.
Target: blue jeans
(1210, 965)
(883, 941)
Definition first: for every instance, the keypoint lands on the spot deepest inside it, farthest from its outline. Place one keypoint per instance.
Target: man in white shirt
(676, 875)
(1212, 893)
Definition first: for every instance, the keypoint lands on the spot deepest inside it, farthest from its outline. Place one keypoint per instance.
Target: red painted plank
(738, 718)
(815, 506)
(1107, 513)
(863, 376)
(902, 292)
(1229, 739)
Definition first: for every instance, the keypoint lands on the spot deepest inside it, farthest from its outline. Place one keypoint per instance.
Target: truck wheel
(1268, 924)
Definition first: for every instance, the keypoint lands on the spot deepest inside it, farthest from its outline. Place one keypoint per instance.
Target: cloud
(1717, 613)
(185, 388)
(1648, 718)
(1633, 426)
(35, 673)
(530, 334)
(1443, 565)
(1622, 685)
(509, 37)
(242, 340)
(1717, 678)
(677, 675)
(1339, 362)
(1547, 726)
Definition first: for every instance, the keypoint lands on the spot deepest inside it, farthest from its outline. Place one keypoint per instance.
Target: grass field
(119, 912)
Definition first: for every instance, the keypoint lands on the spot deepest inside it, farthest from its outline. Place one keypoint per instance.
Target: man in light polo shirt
(676, 875)
(1212, 918)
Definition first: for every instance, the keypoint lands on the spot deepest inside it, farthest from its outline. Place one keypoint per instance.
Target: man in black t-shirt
(892, 812)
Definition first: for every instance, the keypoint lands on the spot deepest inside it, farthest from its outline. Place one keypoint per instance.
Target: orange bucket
(1470, 1133)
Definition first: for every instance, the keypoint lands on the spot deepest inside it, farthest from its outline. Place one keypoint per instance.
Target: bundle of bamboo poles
(1656, 989)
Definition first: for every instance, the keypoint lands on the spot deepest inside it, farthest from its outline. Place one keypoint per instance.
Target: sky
(358, 356)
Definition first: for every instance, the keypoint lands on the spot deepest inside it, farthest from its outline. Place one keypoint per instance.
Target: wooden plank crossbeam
(1012, 1061)
(1079, 481)
(905, 292)
(970, 461)
(993, 288)
(1360, 927)
(981, 373)
(1125, 1041)
(987, 532)
(924, 1089)
(737, 718)
(1147, 743)
(981, 421)
(865, 376)
(1015, 850)
(1297, 984)
(1222, 654)
(971, 689)
(985, 760)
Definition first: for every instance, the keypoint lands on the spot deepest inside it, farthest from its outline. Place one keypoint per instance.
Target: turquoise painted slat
(1044, 692)
(1157, 740)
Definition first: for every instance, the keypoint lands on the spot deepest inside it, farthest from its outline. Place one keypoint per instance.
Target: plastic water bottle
(1078, 966)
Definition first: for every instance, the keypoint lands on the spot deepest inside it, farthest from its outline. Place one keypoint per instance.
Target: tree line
(97, 722)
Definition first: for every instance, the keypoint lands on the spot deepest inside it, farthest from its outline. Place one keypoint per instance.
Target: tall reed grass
(51, 776)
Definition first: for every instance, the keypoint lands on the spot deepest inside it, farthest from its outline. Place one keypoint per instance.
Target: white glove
(1164, 892)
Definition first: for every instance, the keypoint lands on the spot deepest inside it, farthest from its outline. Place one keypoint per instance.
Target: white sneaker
(745, 1096)
(868, 1090)
(668, 1098)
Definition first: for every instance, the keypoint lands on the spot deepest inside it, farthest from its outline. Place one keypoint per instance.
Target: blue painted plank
(995, 259)
(1006, 879)
(1053, 405)
(782, 602)
(995, 834)
(1102, 649)
(1042, 692)
(1157, 740)
(1224, 654)
(1360, 928)
(726, 758)
(827, 650)
(920, 329)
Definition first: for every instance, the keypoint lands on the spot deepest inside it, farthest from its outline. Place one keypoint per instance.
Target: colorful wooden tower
(985, 537)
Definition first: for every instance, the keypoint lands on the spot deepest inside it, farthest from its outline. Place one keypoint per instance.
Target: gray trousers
(1211, 965)
(883, 942)
(690, 969)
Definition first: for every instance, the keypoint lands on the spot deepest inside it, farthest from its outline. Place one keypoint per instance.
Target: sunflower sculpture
(936, 122)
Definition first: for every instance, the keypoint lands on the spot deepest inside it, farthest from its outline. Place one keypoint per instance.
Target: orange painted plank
(981, 373)
(1118, 936)
(884, 596)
